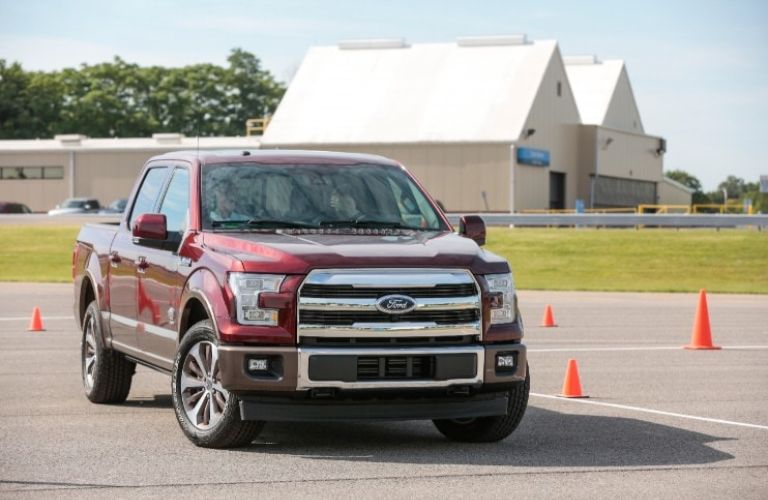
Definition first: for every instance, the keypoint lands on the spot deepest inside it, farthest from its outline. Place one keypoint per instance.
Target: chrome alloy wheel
(90, 353)
(201, 392)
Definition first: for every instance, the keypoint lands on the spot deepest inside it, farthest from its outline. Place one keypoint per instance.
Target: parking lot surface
(660, 421)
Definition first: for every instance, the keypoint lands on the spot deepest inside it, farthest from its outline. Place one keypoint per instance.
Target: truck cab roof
(274, 156)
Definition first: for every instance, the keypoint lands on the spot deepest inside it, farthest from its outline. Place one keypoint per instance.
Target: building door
(556, 191)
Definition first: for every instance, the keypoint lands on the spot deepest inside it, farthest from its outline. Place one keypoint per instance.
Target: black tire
(229, 431)
(106, 373)
(490, 429)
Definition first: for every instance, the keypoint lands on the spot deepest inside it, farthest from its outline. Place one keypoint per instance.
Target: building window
(559, 88)
(24, 173)
(53, 172)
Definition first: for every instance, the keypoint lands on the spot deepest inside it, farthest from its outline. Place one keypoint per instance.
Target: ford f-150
(299, 286)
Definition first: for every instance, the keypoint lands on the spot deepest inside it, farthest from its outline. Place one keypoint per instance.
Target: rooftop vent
(489, 41)
(70, 139)
(581, 60)
(374, 43)
(168, 138)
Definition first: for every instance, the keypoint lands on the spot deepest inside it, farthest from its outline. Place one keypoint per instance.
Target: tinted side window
(148, 192)
(176, 202)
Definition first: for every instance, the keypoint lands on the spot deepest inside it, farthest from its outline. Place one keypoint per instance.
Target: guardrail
(56, 220)
(622, 220)
(492, 219)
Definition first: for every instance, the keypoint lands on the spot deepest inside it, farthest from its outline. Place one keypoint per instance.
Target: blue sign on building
(531, 156)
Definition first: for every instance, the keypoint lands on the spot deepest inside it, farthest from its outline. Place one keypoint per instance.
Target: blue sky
(699, 68)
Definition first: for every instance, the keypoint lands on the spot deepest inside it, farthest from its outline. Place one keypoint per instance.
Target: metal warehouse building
(42, 173)
(487, 123)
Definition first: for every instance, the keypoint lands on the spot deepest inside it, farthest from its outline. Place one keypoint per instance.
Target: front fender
(203, 286)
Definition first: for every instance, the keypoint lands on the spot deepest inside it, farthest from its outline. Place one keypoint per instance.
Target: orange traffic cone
(571, 384)
(701, 337)
(36, 323)
(548, 320)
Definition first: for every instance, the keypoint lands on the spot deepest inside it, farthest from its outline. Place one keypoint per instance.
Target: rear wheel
(490, 429)
(106, 373)
(208, 414)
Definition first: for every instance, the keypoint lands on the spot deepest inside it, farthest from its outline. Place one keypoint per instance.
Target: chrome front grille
(349, 291)
(342, 304)
(352, 317)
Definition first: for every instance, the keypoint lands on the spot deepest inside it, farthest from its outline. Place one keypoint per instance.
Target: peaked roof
(603, 93)
(476, 90)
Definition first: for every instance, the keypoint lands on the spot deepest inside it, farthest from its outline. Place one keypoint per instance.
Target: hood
(301, 253)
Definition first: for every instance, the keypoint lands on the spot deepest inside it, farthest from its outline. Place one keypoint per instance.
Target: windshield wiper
(371, 223)
(276, 223)
(227, 223)
(260, 223)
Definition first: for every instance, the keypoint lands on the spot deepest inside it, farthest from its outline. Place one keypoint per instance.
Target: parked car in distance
(11, 207)
(76, 206)
(116, 207)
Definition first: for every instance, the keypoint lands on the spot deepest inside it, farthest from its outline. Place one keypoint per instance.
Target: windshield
(253, 195)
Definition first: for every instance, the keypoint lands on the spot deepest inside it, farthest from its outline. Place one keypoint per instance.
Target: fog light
(505, 361)
(258, 364)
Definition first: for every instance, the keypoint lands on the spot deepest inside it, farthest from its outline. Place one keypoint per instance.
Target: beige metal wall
(622, 111)
(556, 121)
(669, 194)
(616, 154)
(631, 156)
(455, 174)
(38, 194)
(587, 153)
(108, 175)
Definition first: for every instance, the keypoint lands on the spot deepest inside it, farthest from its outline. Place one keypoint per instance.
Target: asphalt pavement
(660, 421)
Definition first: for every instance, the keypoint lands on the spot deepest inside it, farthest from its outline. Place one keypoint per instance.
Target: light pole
(725, 200)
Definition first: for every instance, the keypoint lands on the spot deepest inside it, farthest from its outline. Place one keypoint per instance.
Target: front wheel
(490, 429)
(208, 414)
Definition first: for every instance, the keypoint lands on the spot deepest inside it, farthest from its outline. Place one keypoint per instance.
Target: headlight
(502, 291)
(247, 288)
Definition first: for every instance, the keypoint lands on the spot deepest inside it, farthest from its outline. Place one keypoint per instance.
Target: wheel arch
(200, 298)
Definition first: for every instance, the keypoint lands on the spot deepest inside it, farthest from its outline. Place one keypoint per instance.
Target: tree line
(121, 99)
(738, 190)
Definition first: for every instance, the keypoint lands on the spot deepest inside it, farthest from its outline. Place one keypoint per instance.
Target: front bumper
(307, 369)
(424, 408)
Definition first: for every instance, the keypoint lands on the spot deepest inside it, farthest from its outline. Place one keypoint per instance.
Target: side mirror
(152, 227)
(472, 227)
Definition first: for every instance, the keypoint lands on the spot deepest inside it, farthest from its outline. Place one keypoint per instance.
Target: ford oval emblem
(395, 304)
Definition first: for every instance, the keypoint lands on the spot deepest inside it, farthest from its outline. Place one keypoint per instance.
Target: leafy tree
(684, 178)
(121, 99)
(734, 185)
(28, 102)
(690, 181)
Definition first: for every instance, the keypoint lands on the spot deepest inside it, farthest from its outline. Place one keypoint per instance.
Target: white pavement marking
(45, 318)
(655, 412)
(649, 348)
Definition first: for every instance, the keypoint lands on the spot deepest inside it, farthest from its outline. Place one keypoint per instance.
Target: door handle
(114, 259)
(142, 264)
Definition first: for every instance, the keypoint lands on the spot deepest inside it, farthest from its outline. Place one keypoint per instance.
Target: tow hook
(322, 393)
(459, 391)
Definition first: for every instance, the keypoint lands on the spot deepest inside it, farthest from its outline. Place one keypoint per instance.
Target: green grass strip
(646, 260)
(37, 253)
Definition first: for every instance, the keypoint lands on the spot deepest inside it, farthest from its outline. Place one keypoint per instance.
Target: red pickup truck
(299, 286)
